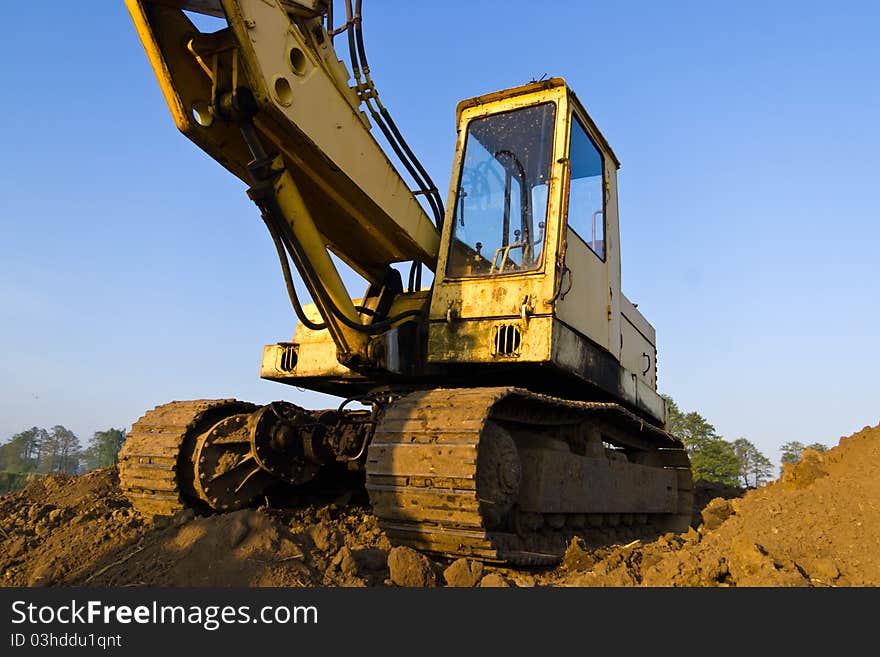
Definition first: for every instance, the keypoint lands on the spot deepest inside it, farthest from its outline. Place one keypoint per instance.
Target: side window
(586, 204)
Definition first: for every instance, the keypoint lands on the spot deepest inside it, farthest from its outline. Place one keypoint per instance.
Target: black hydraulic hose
(291, 290)
(429, 188)
(288, 280)
(401, 148)
(273, 216)
(295, 249)
(357, 54)
(415, 276)
(411, 285)
(349, 18)
(406, 163)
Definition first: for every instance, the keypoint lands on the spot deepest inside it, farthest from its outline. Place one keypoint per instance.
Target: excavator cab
(529, 267)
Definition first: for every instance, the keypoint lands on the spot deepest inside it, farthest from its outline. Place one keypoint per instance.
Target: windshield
(500, 210)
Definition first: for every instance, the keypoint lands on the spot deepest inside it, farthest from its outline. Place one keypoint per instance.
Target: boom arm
(268, 98)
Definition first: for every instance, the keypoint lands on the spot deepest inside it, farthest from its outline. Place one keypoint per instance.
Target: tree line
(37, 451)
(734, 463)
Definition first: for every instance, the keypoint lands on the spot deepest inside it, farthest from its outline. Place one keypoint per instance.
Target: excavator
(494, 413)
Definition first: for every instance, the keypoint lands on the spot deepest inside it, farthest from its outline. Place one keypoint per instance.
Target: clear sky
(134, 270)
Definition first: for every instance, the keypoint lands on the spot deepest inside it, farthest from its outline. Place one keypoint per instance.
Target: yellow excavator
(494, 413)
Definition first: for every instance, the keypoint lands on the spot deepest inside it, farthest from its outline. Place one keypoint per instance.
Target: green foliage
(692, 428)
(37, 452)
(103, 449)
(752, 463)
(60, 452)
(712, 457)
(21, 454)
(715, 460)
(791, 451)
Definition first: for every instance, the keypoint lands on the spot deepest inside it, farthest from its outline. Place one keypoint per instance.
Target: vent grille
(287, 360)
(506, 340)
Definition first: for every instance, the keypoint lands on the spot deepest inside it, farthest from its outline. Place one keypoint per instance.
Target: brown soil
(818, 525)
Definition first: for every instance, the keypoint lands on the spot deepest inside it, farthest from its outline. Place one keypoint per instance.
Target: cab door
(586, 302)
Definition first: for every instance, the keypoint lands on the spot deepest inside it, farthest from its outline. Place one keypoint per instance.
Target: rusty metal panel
(472, 341)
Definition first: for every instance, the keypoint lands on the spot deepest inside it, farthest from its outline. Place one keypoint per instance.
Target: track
(445, 470)
(155, 470)
(426, 474)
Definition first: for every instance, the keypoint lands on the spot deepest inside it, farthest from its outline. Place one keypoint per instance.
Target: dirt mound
(818, 525)
(65, 530)
(57, 528)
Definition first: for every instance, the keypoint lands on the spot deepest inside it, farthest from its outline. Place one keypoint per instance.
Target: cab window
(500, 212)
(586, 204)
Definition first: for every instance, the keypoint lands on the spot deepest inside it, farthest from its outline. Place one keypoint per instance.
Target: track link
(422, 474)
(155, 467)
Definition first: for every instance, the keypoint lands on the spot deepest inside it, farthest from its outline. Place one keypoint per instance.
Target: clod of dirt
(183, 517)
(463, 573)
(578, 557)
(524, 581)
(821, 571)
(716, 512)
(345, 561)
(804, 472)
(751, 565)
(410, 568)
(237, 531)
(371, 559)
(495, 580)
(706, 491)
(325, 537)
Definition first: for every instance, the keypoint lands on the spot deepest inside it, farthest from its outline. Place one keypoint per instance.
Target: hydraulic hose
(271, 208)
(382, 117)
(288, 279)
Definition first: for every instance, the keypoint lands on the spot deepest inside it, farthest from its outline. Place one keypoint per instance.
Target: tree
(761, 470)
(692, 428)
(68, 449)
(103, 449)
(715, 460)
(791, 451)
(60, 451)
(752, 463)
(744, 454)
(712, 457)
(22, 452)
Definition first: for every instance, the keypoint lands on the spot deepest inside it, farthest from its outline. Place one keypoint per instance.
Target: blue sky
(134, 271)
